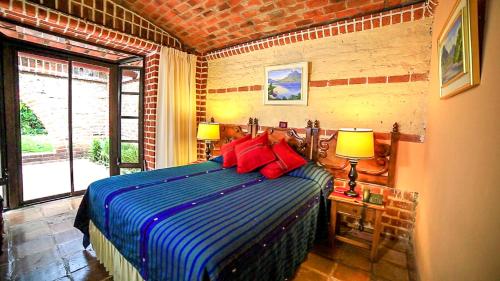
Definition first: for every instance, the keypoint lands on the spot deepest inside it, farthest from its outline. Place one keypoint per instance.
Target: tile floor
(41, 244)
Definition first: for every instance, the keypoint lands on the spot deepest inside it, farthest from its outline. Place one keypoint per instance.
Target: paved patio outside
(52, 178)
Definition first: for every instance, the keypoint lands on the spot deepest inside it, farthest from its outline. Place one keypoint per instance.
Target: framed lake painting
(286, 84)
(458, 47)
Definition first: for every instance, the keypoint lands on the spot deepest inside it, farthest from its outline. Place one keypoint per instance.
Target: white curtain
(176, 109)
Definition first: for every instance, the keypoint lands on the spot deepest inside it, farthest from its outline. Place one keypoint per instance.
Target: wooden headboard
(379, 170)
(297, 138)
(319, 145)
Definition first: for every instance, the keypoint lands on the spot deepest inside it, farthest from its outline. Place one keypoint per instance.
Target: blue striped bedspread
(204, 222)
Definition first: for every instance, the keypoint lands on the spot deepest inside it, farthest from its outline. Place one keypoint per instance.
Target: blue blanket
(204, 222)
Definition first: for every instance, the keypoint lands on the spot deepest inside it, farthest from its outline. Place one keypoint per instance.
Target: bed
(205, 222)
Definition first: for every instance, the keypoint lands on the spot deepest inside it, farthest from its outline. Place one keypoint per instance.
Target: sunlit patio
(52, 178)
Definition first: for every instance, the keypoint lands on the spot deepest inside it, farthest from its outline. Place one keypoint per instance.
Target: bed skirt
(111, 258)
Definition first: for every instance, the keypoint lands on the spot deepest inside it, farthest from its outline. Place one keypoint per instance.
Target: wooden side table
(353, 207)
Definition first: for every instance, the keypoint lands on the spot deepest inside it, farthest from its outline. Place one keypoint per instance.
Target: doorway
(64, 125)
(69, 121)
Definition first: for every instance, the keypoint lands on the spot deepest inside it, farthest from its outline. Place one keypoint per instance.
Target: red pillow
(228, 154)
(286, 161)
(253, 154)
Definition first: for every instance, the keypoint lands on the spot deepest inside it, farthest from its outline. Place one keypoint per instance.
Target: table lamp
(354, 144)
(208, 131)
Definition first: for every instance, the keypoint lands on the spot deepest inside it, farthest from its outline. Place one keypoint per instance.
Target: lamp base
(351, 193)
(208, 151)
(353, 175)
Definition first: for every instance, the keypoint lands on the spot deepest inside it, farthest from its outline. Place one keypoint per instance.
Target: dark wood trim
(11, 122)
(140, 118)
(70, 125)
(10, 48)
(130, 60)
(129, 141)
(114, 128)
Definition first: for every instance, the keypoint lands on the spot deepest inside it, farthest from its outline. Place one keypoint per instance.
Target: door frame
(10, 49)
(140, 164)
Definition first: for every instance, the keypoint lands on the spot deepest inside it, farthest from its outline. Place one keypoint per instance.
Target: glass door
(64, 107)
(43, 106)
(130, 123)
(90, 126)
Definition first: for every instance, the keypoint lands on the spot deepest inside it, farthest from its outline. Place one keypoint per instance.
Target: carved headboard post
(394, 155)
(309, 139)
(255, 127)
(315, 141)
(250, 127)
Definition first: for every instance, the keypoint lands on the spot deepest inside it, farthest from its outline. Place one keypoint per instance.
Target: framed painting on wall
(286, 84)
(458, 47)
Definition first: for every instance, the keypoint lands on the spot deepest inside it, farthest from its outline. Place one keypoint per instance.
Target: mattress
(204, 222)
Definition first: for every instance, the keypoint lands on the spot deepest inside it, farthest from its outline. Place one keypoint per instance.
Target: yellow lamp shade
(355, 143)
(208, 131)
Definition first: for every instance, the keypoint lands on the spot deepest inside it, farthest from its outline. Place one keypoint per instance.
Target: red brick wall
(395, 16)
(108, 14)
(70, 25)
(150, 102)
(201, 96)
(399, 217)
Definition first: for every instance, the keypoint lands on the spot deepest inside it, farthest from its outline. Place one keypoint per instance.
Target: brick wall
(120, 29)
(357, 77)
(399, 217)
(201, 98)
(105, 13)
(150, 101)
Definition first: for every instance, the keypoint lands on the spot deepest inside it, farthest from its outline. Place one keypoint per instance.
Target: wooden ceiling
(214, 24)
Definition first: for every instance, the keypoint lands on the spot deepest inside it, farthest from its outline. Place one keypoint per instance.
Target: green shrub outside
(30, 124)
(99, 152)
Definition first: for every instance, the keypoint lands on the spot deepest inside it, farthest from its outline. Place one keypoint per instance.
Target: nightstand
(355, 207)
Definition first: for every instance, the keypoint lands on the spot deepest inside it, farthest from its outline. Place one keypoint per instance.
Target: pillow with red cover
(228, 154)
(253, 154)
(286, 161)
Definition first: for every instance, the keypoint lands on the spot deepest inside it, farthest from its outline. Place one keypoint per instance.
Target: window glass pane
(130, 129)
(130, 153)
(130, 105)
(130, 80)
(43, 115)
(90, 121)
(126, 171)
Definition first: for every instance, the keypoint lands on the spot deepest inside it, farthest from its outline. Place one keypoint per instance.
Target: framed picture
(286, 84)
(458, 47)
(283, 125)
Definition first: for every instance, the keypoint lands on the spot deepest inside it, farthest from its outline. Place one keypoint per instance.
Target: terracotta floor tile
(393, 256)
(355, 257)
(68, 235)
(306, 274)
(70, 248)
(319, 263)
(80, 260)
(61, 226)
(31, 247)
(345, 273)
(36, 261)
(22, 217)
(95, 272)
(395, 244)
(49, 272)
(390, 271)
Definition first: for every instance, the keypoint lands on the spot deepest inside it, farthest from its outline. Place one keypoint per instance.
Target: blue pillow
(218, 159)
(314, 172)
